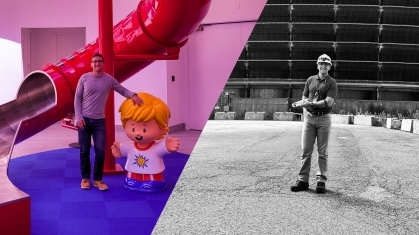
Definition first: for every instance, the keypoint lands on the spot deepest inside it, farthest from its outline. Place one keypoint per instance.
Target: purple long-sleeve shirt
(91, 95)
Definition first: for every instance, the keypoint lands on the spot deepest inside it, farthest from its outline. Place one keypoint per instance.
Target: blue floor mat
(60, 207)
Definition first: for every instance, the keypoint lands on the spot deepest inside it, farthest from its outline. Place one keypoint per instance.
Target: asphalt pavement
(238, 177)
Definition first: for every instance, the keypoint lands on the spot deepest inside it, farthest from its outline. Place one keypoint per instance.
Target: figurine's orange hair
(152, 108)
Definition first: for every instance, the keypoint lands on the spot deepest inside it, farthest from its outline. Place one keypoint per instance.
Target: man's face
(97, 63)
(143, 132)
(323, 67)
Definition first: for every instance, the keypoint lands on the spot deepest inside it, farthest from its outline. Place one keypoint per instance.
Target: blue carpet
(60, 207)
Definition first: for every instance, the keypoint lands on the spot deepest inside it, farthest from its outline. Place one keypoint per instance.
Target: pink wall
(212, 56)
(11, 69)
(234, 11)
(152, 80)
(175, 96)
(209, 56)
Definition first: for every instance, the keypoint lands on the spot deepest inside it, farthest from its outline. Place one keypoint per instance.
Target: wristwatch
(312, 105)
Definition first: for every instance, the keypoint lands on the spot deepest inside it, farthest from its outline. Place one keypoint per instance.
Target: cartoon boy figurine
(146, 125)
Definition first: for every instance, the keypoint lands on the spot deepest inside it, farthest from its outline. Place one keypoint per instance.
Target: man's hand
(306, 104)
(172, 144)
(137, 100)
(116, 151)
(81, 124)
(299, 103)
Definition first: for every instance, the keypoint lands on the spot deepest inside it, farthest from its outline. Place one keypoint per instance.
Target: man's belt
(317, 113)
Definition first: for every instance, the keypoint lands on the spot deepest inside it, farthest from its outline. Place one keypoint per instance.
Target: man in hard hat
(319, 94)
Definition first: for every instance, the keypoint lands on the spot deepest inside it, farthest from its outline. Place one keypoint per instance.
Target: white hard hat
(324, 59)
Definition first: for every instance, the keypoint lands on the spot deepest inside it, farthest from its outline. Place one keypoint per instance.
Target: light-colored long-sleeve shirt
(91, 95)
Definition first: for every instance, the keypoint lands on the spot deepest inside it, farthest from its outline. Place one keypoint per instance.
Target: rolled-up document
(298, 103)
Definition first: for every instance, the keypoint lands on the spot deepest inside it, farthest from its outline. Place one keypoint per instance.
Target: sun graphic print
(141, 161)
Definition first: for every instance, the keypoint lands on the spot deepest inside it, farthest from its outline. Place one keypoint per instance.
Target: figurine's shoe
(145, 186)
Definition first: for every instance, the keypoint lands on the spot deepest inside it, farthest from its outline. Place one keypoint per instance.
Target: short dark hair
(98, 54)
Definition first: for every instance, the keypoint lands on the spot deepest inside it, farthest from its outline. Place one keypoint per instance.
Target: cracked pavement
(238, 176)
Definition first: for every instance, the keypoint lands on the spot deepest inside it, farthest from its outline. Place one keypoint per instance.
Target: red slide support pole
(106, 49)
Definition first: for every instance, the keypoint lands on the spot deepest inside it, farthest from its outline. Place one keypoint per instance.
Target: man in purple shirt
(319, 94)
(89, 106)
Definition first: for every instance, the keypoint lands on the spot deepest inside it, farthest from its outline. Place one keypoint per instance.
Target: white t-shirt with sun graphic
(144, 161)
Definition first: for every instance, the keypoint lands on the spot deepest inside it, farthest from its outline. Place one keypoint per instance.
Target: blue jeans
(95, 128)
(315, 127)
